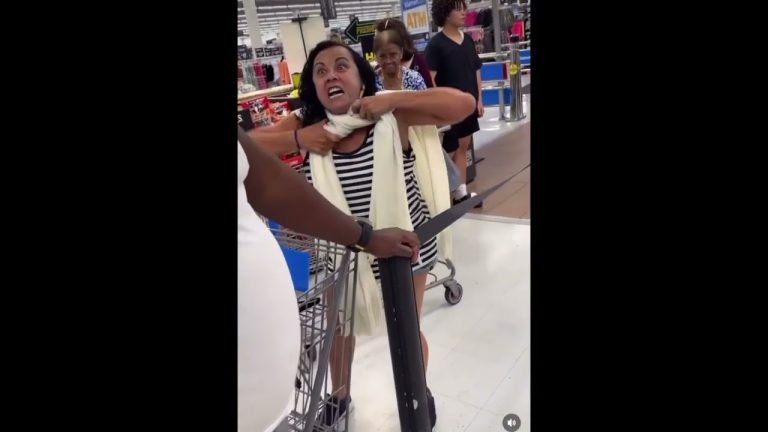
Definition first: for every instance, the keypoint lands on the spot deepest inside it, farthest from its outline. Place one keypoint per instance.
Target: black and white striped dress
(355, 171)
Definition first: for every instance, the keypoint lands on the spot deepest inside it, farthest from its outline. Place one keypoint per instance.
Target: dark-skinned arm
(278, 192)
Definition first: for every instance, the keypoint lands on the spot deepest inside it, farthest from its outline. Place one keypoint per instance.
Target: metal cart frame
(325, 308)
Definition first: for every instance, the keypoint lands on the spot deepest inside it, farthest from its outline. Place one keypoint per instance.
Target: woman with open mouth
(372, 172)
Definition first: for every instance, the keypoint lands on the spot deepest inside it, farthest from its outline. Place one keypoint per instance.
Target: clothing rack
(270, 58)
(478, 5)
(256, 73)
(272, 91)
(490, 24)
(488, 5)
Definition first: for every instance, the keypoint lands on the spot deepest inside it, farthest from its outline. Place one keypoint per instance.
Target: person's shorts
(465, 128)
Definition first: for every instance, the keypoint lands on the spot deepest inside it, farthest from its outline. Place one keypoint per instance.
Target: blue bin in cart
(298, 266)
(298, 263)
(274, 226)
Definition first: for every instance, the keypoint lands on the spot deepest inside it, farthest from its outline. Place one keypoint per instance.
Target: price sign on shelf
(244, 53)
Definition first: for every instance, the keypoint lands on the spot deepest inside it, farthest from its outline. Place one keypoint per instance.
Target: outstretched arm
(305, 210)
(435, 106)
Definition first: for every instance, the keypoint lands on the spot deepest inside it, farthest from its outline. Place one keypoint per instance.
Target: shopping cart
(453, 290)
(326, 306)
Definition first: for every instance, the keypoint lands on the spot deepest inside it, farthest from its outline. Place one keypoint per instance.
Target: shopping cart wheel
(453, 292)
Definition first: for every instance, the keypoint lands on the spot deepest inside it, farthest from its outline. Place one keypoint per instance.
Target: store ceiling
(273, 12)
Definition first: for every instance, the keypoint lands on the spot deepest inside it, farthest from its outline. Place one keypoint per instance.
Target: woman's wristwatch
(366, 233)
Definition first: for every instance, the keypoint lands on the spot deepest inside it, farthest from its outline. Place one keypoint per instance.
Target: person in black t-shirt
(453, 62)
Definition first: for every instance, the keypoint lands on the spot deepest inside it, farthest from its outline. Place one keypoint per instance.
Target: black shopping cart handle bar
(403, 321)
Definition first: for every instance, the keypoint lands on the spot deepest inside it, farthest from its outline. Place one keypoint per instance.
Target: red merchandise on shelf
(293, 160)
(470, 18)
(518, 28)
(285, 75)
(258, 69)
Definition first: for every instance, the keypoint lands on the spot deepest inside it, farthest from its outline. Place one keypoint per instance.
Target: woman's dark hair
(442, 8)
(313, 109)
(405, 41)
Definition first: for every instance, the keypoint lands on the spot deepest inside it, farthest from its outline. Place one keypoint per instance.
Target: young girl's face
(458, 15)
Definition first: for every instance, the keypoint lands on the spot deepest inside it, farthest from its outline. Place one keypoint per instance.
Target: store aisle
(479, 349)
(505, 148)
(506, 155)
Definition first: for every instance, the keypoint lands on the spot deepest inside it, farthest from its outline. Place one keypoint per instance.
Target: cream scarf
(389, 202)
